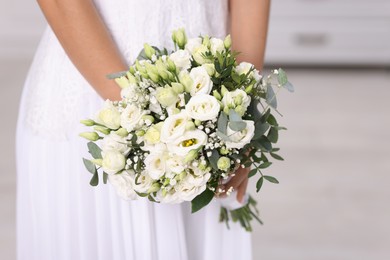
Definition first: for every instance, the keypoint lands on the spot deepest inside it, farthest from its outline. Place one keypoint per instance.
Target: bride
(59, 216)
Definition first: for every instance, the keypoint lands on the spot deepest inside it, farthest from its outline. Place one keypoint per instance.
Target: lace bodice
(55, 92)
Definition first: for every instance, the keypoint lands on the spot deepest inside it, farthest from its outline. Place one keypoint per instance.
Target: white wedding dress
(59, 215)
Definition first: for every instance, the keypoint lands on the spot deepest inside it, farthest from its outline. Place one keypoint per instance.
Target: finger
(240, 176)
(241, 190)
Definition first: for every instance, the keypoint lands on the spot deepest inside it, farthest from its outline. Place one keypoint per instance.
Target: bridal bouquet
(187, 120)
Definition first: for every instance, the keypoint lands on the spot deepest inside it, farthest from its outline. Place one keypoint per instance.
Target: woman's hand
(238, 182)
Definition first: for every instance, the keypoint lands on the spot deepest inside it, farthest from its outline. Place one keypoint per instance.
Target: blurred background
(333, 198)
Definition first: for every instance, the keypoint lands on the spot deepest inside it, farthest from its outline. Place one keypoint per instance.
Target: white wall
(21, 25)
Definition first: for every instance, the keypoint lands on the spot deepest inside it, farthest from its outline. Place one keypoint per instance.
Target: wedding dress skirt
(59, 215)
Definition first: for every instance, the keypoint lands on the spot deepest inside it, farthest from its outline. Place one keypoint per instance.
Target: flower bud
(149, 50)
(223, 90)
(198, 122)
(140, 132)
(166, 182)
(122, 132)
(98, 162)
(148, 118)
(154, 77)
(238, 100)
(164, 192)
(166, 96)
(154, 187)
(92, 136)
(87, 122)
(227, 42)
(206, 41)
(217, 95)
(223, 151)
(186, 81)
(181, 176)
(209, 68)
(240, 110)
(223, 163)
(190, 126)
(131, 78)
(122, 82)
(249, 89)
(179, 37)
(132, 70)
(191, 155)
(171, 65)
(139, 67)
(102, 129)
(177, 87)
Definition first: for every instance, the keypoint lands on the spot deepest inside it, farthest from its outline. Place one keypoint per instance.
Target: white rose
(123, 183)
(155, 164)
(192, 44)
(144, 182)
(113, 161)
(175, 164)
(115, 142)
(201, 81)
(109, 116)
(174, 127)
(131, 116)
(216, 45)
(230, 99)
(182, 59)
(241, 138)
(185, 143)
(203, 107)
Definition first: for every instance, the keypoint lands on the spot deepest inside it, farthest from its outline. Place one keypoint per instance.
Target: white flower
(123, 183)
(171, 197)
(115, 142)
(236, 98)
(201, 81)
(109, 116)
(174, 127)
(244, 67)
(166, 96)
(241, 138)
(175, 164)
(131, 116)
(155, 164)
(216, 45)
(199, 54)
(187, 142)
(192, 44)
(192, 185)
(132, 93)
(182, 59)
(152, 135)
(203, 107)
(144, 182)
(113, 161)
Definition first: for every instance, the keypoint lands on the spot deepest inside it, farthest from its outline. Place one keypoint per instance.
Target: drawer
(330, 8)
(329, 41)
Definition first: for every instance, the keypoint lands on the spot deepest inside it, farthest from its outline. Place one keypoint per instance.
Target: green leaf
(265, 143)
(234, 116)
(271, 97)
(222, 123)
(201, 200)
(105, 177)
(116, 75)
(259, 184)
(223, 136)
(273, 135)
(252, 173)
(289, 87)
(95, 180)
(271, 179)
(237, 126)
(277, 157)
(90, 166)
(265, 165)
(94, 150)
(282, 77)
(272, 120)
(213, 159)
(264, 117)
(260, 129)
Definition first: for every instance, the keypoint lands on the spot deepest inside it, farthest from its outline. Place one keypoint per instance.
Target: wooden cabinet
(327, 32)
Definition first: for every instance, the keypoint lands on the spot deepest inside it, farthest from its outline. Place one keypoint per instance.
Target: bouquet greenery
(187, 120)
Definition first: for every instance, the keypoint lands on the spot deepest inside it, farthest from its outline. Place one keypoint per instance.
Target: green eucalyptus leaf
(259, 184)
(265, 143)
(289, 87)
(223, 136)
(237, 126)
(271, 179)
(201, 200)
(271, 97)
(213, 159)
(272, 120)
(282, 77)
(105, 177)
(264, 117)
(94, 150)
(260, 129)
(234, 116)
(116, 75)
(95, 179)
(273, 135)
(222, 123)
(277, 156)
(90, 166)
